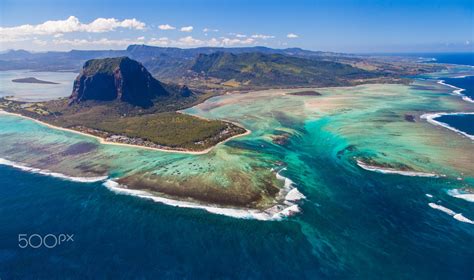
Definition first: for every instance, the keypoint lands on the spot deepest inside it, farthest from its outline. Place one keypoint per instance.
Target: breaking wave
(378, 169)
(431, 118)
(457, 91)
(457, 216)
(46, 172)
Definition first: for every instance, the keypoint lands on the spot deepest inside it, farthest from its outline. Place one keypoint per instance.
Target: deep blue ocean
(460, 58)
(466, 58)
(463, 123)
(123, 237)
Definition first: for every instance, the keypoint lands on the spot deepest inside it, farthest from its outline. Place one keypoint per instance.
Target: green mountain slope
(260, 69)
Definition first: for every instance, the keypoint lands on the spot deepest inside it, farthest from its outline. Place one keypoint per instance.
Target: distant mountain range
(158, 60)
(221, 69)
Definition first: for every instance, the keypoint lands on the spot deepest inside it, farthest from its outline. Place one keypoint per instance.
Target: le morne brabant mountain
(118, 100)
(122, 79)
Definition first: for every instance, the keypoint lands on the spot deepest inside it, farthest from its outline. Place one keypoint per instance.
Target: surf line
(288, 207)
(24, 167)
(378, 169)
(274, 213)
(457, 216)
(457, 91)
(431, 118)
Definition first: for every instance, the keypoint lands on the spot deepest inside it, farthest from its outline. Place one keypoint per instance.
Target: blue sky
(345, 26)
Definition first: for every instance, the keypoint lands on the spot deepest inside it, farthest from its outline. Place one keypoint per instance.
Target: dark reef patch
(79, 148)
(346, 150)
(409, 118)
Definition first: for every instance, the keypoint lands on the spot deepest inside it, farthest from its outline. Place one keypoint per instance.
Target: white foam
(457, 194)
(430, 117)
(46, 172)
(442, 208)
(290, 210)
(457, 90)
(457, 216)
(274, 213)
(461, 218)
(468, 99)
(287, 181)
(294, 195)
(394, 171)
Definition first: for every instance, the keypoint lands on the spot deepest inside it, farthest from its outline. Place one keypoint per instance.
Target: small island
(33, 80)
(119, 102)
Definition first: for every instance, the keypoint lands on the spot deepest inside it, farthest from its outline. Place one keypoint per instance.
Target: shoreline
(457, 91)
(24, 167)
(430, 117)
(103, 141)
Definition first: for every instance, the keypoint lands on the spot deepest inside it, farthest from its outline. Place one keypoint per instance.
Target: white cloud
(96, 43)
(186, 28)
(238, 35)
(190, 41)
(166, 27)
(292, 35)
(40, 42)
(163, 41)
(262, 36)
(100, 43)
(71, 24)
(234, 41)
(210, 30)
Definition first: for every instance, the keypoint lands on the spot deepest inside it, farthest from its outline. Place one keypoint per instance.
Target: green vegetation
(260, 69)
(103, 66)
(164, 129)
(171, 129)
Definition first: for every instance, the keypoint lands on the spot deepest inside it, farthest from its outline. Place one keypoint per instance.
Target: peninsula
(119, 101)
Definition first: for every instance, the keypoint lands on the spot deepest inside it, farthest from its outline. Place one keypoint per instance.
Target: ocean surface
(452, 58)
(380, 220)
(465, 83)
(462, 85)
(36, 92)
(462, 122)
(459, 58)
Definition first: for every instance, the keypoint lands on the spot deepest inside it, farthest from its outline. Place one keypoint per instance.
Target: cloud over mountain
(69, 25)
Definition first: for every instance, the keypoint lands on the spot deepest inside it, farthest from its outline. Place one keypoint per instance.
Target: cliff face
(118, 78)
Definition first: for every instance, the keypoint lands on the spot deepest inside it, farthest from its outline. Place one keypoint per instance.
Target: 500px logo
(48, 241)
